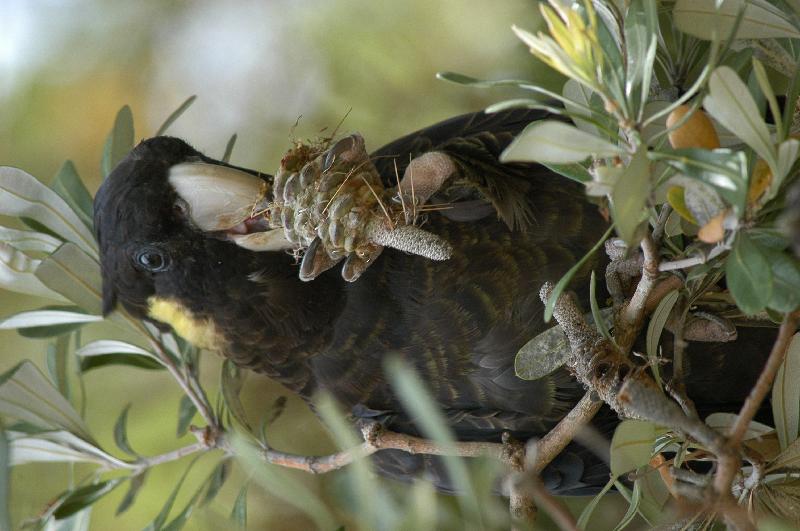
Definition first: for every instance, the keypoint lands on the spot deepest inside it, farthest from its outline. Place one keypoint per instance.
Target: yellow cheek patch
(200, 332)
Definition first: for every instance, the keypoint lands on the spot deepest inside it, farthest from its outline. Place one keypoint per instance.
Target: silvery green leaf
(21, 195)
(787, 156)
(239, 510)
(586, 514)
(28, 240)
(68, 184)
(121, 432)
(557, 143)
(77, 522)
(175, 115)
(232, 380)
(730, 102)
(704, 19)
(119, 142)
(58, 446)
(760, 74)
(108, 346)
(656, 326)
(75, 275)
(629, 197)
(577, 92)
(631, 446)
(85, 496)
(786, 395)
(18, 274)
(641, 23)
(722, 422)
(136, 483)
(37, 318)
(27, 395)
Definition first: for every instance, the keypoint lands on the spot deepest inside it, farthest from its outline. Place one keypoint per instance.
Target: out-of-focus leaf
(108, 346)
(77, 522)
(158, 523)
(656, 327)
(75, 275)
(417, 401)
(121, 432)
(586, 514)
(18, 274)
(786, 395)
(119, 142)
(730, 102)
(565, 280)
(629, 197)
(26, 394)
(461, 79)
(788, 458)
(762, 78)
(29, 240)
(576, 172)
(786, 281)
(136, 483)
(89, 363)
(232, 381)
(5, 480)
(216, 480)
(705, 19)
(702, 201)
(542, 355)
(631, 446)
(641, 27)
(56, 446)
(48, 317)
(722, 422)
(550, 141)
(788, 151)
(22, 195)
(57, 364)
(84, 497)
(748, 275)
(239, 511)
(597, 316)
(633, 500)
(186, 412)
(180, 520)
(226, 157)
(175, 115)
(68, 184)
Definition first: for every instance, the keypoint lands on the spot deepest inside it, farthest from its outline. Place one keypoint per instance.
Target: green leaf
(21, 195)
(586, 514)
(216, 480)
(764, 85)
(52, 316)
(731, 104)
(723, 422)
(656, 327)
(550, 141)
(629, 198)
(28, 240)
(461, 79)
(68, 184)
(226, 157)
(77, 522)
(576, 172)
(641, 30)
(748, 275)
(786, 395)
(542, 355)
(18, 274)
(631, 446)
(84, 497)
(705, 19)
(26, 394)
(565, 280)
(108, 346)
(417, 401)
(186, 412)
(239, 511)
(5, 480)
(175, 115)
(633, 500)
(786, 281)
(57, 362)
(89, 363)
(121, 432)
(232, 380)
(57, 447)
(119, 142)
(136, 483)
(597, 316)
(75, 275)
(158, 523)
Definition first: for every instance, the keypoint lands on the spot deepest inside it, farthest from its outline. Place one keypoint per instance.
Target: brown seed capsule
(696, 132)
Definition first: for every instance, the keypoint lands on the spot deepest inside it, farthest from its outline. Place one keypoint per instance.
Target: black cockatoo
(458, 322)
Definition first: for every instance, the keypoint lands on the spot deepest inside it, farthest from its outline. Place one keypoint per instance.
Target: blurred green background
(258, 67)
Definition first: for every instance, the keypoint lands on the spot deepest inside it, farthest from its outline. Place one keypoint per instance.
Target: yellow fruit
(713, 231)
(696, 132)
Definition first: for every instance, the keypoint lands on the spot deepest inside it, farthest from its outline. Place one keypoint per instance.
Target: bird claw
(316, 261)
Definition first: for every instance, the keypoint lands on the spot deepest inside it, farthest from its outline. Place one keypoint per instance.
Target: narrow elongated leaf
(788, 151)
(232, 381)
(175, 115)
(730, 102)
(38, 318)
(786, 395)
(18, 274)
(121, 432)
(58, 362)
(29, 240)
(586, 514)
(748, 275)
(68, 184)
(158, 523)
(57, 446)
(89, 363)
(186, 412)
(239, 510)
(84, 497)
(136, 483)
(549, 141)
(119, 141)
(706, 19)
(216, 480)
(654, 329)
(77, 522)
(629, 197)
(5, 480)
(26, 394)
(75, 275)
(21, 195)
(576, 172)
(631, 446)
(108, 346)
(226, 157)
(633, 499)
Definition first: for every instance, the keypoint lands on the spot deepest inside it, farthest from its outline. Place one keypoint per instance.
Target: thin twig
(693, 261)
